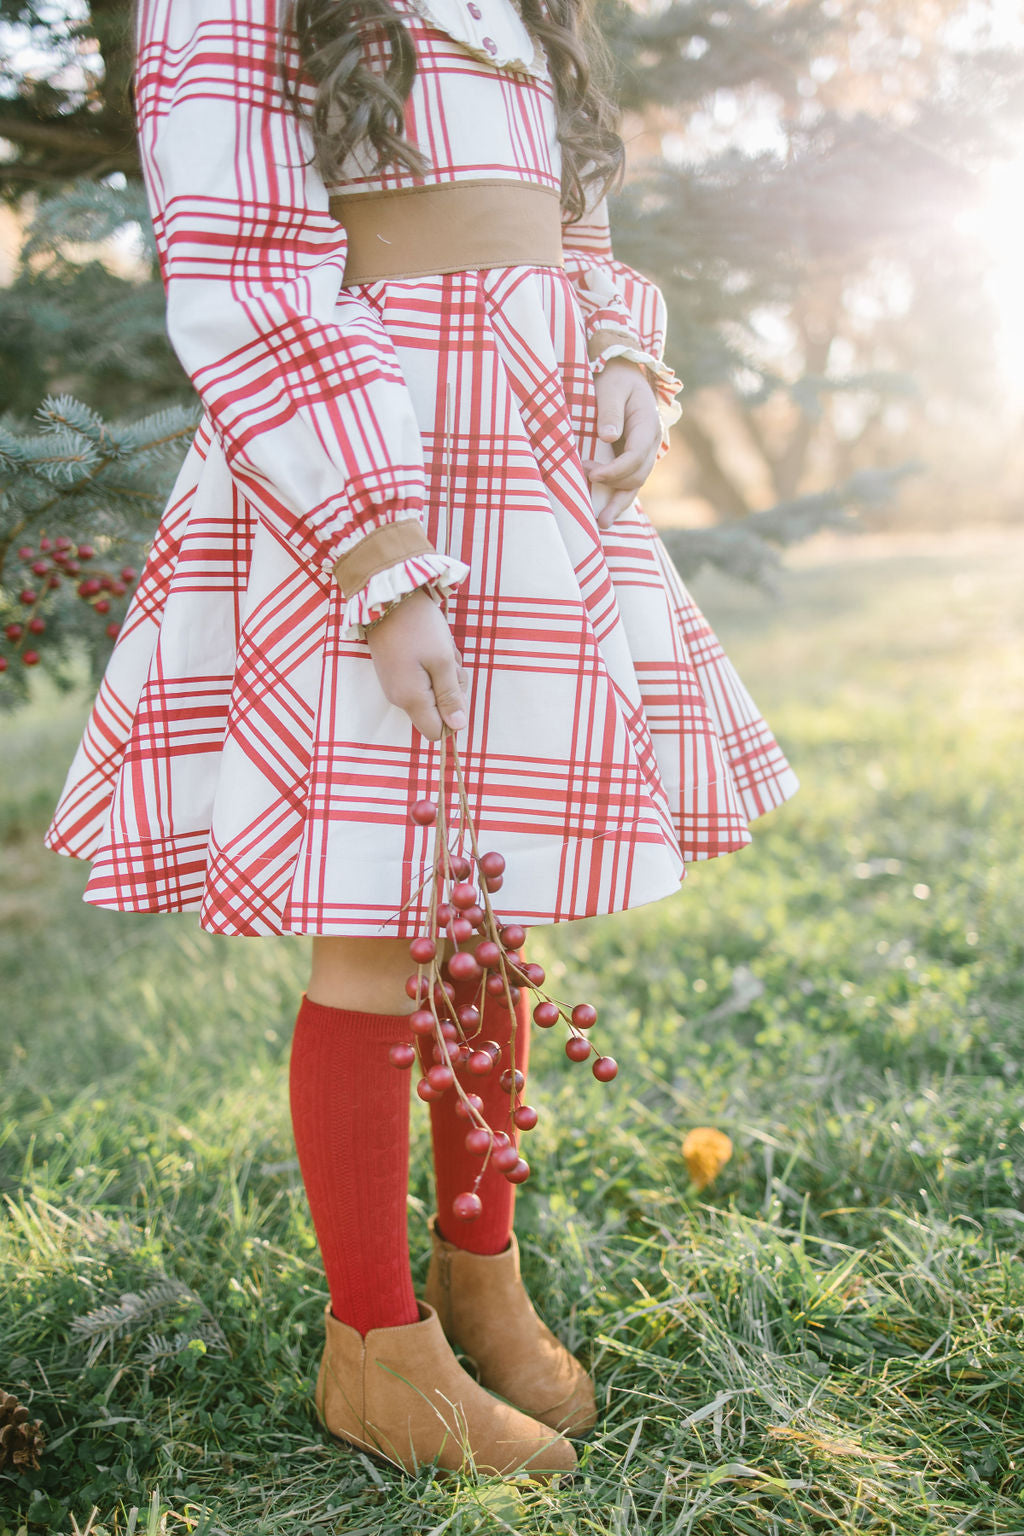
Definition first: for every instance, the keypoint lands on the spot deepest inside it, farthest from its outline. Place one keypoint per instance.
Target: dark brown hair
(355, 103)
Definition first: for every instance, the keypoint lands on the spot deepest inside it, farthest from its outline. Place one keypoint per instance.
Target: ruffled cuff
(438, 574)
(665, 382)
(602, 305)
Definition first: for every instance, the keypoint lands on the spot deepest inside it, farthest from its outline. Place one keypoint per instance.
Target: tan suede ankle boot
(486, 1313)
(401, 1394)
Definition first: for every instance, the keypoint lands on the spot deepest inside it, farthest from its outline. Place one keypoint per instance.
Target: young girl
(409, 513)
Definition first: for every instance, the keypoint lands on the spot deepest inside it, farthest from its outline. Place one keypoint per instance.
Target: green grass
(829, 1338)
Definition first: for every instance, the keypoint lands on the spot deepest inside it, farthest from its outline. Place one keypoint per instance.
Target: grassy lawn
(828, 1338)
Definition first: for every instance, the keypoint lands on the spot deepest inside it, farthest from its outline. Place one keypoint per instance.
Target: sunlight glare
(998, 225)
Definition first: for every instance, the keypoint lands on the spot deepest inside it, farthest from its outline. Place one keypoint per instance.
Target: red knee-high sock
(455, 1169)
(350, 1117)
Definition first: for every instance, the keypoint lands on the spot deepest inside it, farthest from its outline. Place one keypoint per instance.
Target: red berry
(62, 541)
(422, 813)
(492, 864)
(444, 915)
(72, 567)
(426, 1092)
(467, 1206)
(468, 1016)
(525, 1117)
(40, 567)
(512, 935)
(506, 1080)
(128, 573)
(463, 894)
(491, 1046)
(505, 1157)
(3, 663)
(14, 631)
(106, 582)
(444, 1052)
(464, 1107)
(85, 551)
(113, 629)
(576, 1048)
(88, 587)
(546, 1014)
(45, 543)
(465, 1052)
(461, 866)
(463, 967)
(480, 1063)
(416, 987)
(502, 1139)
(53, 580)
(26, 552)
(26, 595)
(118, 588)
(103, 606)
(422, 950)
(440, 1077)
(494, 882)
(488, 953)
(402, 1054)
(495, 984)
(462, 929)
(478, 1140)
(30, 658)
(449, 1030)
(605, 1068)
(36, 624)
(476, 915)
(519, 1172)
(534, 973)
(584, 1016)
(443, 989)
(422, 1022)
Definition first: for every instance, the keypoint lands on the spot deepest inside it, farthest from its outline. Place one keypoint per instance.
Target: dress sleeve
(623, 312)
(300, 379)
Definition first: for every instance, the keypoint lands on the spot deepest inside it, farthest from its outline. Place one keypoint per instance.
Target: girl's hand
(419, 667)
(627, 416)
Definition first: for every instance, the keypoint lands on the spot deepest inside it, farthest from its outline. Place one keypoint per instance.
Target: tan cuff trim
(607, 337)
(384, 547)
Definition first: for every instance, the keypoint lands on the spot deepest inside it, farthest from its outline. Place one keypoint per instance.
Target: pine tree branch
(719, 488)
(78, 143)
(747, 548)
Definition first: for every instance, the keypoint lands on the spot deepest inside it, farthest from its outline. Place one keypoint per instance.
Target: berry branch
(456, 914)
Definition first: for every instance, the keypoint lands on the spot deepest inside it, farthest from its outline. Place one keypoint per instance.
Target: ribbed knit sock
(454, 1168)
(350, 1118)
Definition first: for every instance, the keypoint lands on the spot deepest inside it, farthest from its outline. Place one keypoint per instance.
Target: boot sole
(446, 1472)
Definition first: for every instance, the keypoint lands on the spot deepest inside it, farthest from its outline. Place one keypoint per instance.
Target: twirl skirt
(241, 760)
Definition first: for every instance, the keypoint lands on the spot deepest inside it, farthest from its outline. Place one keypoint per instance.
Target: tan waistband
(483, 221)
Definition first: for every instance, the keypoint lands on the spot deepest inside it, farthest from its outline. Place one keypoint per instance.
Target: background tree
(794, 169)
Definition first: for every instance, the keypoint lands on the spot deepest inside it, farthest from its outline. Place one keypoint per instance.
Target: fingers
(641, 440)
(415, 695)
(449, 682)
(420, 668)
(614, 507)
(629, 399)
(611, 410)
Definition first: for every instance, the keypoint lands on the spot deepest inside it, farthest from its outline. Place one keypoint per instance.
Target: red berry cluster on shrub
(459, 909)
(45, 568)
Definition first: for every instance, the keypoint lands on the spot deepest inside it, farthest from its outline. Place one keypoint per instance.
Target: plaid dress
(240, 758)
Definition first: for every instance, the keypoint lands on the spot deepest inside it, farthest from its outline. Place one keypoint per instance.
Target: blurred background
(825, 1337)
(830, 194)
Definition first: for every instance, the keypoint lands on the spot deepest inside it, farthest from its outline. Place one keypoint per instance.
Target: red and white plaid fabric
(240, 758)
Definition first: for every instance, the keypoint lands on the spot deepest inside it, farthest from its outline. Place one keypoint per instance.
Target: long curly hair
(356, 104)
